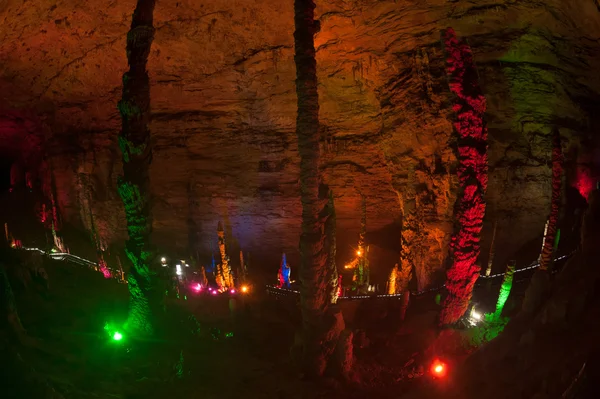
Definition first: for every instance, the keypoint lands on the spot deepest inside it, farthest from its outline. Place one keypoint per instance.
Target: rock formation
(134, 185)
(551, 229)
(472, 171)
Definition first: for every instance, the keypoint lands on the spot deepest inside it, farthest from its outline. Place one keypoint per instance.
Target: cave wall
(224, 107)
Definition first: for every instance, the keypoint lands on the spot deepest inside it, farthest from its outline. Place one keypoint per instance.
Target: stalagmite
(225, 274)
(321, 323)
(546, 258)
(543, 240)
(471, 132)
(330, 246)
(361, 272)
(391, 288)
(203, 278)
(505, 288)
(134, 185)
(241, 275)
(539, 286)
(284, 273)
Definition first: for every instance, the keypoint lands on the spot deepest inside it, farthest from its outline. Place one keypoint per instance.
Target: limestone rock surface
(224, 109)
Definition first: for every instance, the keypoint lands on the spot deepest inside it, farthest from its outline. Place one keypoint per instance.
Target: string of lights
(285, 291)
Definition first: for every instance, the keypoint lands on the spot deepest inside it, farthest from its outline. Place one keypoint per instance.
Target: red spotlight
(439, 368)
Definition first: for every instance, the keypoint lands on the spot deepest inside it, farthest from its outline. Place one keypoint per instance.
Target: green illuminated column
(134, 185)
(505, 288)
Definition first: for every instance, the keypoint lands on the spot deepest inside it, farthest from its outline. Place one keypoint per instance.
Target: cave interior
(458, 141)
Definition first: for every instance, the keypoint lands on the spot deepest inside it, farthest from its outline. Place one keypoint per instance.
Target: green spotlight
(117, 336)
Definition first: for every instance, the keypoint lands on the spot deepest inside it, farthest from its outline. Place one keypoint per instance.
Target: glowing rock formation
(224, 269)
(134, 186)
(391, 288)
(330, 245)
(557, 170)
(284, 273)
(505, 288)
(361, 277)
(203, 278)
(471, 131)
(399, 279)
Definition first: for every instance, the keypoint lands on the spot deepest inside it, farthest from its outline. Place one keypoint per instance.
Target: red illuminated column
(557, 169)
(471, 137)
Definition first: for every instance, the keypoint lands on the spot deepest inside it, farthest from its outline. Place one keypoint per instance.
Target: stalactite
(134, 185)
(505, 288)
(471, 132)
(488, 271)
(225, 267)
(546, 258)
(320, 329)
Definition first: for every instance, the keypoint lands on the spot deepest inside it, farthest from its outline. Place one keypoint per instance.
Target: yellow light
(438, 369)
(244, 288)
(358, 252)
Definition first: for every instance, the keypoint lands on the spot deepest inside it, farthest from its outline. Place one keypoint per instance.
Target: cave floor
(68, 347)
(210, 355)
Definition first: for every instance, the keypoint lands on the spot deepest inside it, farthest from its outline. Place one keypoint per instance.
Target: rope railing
(285, 291)
(63, 256)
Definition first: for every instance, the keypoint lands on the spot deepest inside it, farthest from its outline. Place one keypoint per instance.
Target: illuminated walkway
(272, 290)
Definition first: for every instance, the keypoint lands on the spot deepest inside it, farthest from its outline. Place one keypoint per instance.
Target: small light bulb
(117, 336)
(163, 260)
(358, 253)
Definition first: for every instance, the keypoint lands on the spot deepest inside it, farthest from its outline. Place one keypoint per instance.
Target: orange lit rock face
(224, 114)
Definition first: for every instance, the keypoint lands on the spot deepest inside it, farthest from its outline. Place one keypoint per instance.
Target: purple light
(197, 287)
(232, 291)
(214, 292)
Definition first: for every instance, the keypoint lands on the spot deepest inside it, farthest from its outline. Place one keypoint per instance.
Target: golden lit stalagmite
(226, 276)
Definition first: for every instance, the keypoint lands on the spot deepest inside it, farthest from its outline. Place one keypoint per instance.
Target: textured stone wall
(222, 76)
